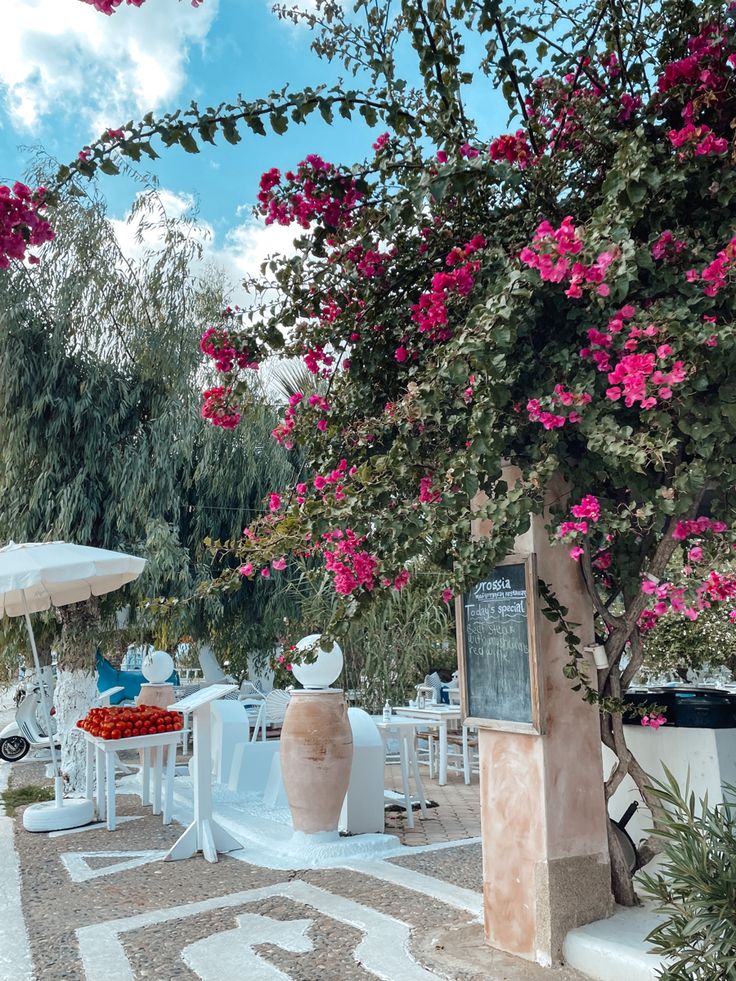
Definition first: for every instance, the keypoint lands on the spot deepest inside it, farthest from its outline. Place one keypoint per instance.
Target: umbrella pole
(58, 791)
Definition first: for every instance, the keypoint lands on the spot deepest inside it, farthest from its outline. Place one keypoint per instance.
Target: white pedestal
(204, 834)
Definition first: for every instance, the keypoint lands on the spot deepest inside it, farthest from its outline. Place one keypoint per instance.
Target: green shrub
(696, 887)
(678, 645)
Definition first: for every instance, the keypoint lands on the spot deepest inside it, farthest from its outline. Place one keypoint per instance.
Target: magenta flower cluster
(513, 148)
(430, 313)
(352, 566)
(667, 247)
(654, 721)
(715, 275)
(586, 512)
(689, 602)
(21, 223)
(561, 397)
(110, 6)
(218, 407)
(316, 192)
(549, 253)
(224, 349)
(637, 377)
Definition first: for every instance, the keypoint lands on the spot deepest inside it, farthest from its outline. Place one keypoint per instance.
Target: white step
(612, 949)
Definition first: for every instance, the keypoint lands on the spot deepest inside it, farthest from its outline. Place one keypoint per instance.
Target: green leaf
(279, 122)
(188, 142)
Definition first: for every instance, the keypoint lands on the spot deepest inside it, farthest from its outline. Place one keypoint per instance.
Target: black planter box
(688, 708)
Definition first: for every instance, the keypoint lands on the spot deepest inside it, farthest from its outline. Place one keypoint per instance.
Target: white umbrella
(39, 575)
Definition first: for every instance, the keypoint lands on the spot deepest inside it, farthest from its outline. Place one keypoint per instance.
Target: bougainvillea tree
(558, 297)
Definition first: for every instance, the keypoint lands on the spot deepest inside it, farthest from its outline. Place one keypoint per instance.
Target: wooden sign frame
(536, 726)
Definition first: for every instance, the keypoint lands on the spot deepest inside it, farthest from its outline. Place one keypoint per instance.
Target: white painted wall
(705, 757)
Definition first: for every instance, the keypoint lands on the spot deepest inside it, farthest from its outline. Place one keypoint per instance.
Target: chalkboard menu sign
(497, 648)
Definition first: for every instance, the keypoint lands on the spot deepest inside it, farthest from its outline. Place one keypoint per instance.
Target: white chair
(230, 728)
(462, 752)
(403, 731)
(276, 704)
(250, 690)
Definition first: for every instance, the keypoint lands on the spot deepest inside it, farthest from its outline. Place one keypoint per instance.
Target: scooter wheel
(13, 748)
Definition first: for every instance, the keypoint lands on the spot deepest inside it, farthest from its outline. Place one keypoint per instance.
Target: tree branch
(514, 79)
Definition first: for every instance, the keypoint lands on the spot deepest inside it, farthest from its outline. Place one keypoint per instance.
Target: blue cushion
(131, 681)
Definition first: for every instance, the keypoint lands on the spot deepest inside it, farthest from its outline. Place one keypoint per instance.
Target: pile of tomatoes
(118, 722)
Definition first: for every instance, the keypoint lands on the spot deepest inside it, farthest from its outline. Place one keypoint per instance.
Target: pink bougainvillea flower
(654, 721)
(279, 564)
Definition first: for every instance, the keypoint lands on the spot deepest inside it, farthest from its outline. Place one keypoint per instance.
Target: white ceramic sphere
(324, 670)
(157, 667)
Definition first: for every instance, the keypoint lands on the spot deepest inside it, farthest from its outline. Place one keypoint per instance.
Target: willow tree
(102, 438)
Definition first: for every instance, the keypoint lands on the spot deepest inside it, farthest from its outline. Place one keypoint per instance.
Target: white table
(405, 731)
(101, 757)
(439, 715)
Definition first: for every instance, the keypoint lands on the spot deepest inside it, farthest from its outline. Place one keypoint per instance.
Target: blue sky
(69, 72)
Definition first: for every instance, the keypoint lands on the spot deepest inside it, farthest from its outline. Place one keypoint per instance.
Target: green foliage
(20, 796)
(696, 888)
(395, 644)
(678, 645)
(389, 648)
(103, 444)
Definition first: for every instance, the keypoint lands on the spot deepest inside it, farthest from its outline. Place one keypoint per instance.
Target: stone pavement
(102, 906)
(456, 816)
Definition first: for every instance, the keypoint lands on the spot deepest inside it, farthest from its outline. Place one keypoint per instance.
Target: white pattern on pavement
(15, 953)
(383, 950)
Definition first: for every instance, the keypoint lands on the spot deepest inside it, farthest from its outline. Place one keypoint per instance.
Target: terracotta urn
(316, 758)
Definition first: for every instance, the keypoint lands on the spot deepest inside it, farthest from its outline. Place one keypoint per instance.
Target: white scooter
(27, 734)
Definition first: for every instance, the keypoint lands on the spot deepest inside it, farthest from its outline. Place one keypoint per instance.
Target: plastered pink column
(545, 852)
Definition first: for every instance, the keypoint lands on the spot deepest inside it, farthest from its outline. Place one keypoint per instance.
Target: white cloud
(247, 245)
(239, 252)
(63, 56)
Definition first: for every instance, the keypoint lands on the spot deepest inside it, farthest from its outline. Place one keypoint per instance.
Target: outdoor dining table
(438, 715)
(405, 730)
(101, 758)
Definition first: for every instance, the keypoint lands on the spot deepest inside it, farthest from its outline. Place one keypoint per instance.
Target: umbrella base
(53, 816)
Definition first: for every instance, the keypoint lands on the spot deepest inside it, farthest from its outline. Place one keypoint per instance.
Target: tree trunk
(76, 687)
